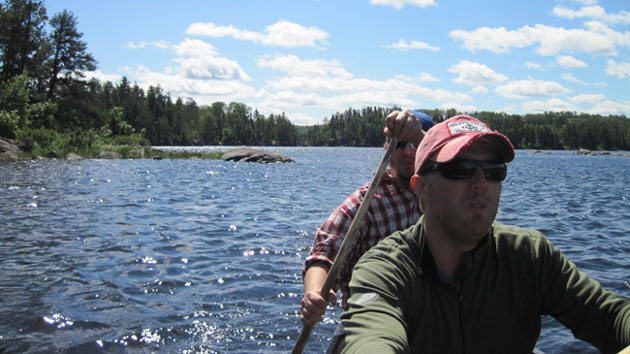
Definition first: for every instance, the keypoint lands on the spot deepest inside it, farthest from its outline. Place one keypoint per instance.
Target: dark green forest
(45, 101)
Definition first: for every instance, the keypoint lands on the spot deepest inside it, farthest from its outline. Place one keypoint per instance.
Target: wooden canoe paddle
(348, 240)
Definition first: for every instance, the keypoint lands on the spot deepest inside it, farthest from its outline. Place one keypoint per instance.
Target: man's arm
(403, 126)
(322, 254)
(383, 281)
(593, 313)
(313, 304)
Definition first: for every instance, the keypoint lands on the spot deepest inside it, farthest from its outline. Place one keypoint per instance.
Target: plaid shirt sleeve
(333, 231)
(393, 208)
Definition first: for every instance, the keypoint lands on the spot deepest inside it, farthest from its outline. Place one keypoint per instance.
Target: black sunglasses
(466, 168)
(403, 144)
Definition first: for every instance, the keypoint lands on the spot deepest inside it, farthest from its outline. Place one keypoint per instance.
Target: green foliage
(42, 141)
(16, 109)
(68, 52)
(161, 154)
(14, 103)
(9, 124)
(37, 141)
(23, 44)
(561, 130)
(117, 125)
(86, 143)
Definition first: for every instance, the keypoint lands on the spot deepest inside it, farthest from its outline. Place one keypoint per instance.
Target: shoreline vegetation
(10, 151)
(49, 109)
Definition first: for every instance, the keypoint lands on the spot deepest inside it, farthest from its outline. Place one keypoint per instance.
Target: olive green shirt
(400, 304)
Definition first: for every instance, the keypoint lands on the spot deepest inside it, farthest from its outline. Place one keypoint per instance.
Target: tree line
(45, 99)
(549, 130)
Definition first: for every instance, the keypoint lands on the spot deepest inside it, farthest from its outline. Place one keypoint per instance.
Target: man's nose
(478, 181)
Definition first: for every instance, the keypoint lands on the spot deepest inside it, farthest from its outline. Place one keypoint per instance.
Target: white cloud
(597, 39)
(304, 119)
(198, 60)
(587, 98)
(280, 34)
(213, 68)
(194, 48)
(290, 99)
(133, 45)
(497, 40)
(426, 77)
(593, 12)
(330, 76)
(275, 100)
(553, 40)
(587, 2)
(440, 95)
(588, 11)
(568, 61)
(190, 47)
(399, 4)
(610, 107)
(553, 105)
(388, 92)
(535, 66)
(479, 89)
(382, 98)
(458, 106)
(295, 66)
(620, 70)
(326, 84)
(617, 38)
(530, 88)
(473, 73)
(100, 76)
(403, 45)
(571, 78)
(206, 91)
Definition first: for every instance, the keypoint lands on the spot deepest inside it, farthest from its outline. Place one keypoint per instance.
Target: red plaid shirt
(394, 207)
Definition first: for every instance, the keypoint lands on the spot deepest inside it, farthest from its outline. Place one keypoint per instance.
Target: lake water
(205, 256)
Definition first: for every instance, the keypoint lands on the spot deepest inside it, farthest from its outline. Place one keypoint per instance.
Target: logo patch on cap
(459, 127)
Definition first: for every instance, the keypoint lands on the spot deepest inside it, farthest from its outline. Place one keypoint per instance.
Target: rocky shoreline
(10, 151)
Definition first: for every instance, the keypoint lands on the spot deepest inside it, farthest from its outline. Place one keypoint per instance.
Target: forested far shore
(47, 104)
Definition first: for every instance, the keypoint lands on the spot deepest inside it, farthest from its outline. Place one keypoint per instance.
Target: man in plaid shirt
(394, 207)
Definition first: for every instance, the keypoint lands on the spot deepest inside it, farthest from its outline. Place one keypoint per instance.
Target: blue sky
(311, 58)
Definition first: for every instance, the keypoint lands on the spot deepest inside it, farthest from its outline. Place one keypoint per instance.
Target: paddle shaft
(348, 241)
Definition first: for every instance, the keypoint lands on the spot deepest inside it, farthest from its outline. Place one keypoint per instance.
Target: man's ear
(416, 184)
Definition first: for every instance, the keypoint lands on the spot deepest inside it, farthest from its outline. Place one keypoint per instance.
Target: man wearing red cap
(457, 281)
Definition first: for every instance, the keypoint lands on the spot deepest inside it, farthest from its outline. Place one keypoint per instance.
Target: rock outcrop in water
(254, 155)
(9, 149)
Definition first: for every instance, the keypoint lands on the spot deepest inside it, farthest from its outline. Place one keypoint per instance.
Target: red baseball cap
(445, 140)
